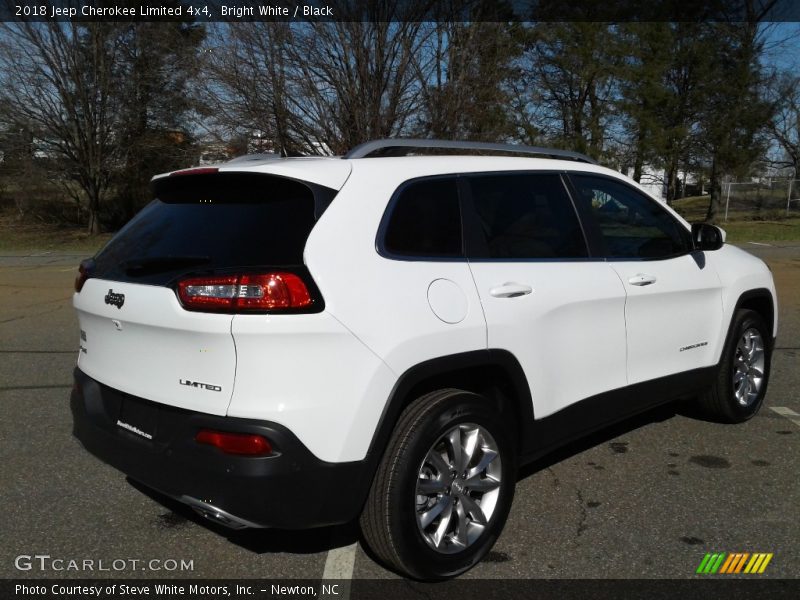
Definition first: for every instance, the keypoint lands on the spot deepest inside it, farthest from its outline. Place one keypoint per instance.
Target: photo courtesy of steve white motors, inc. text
(171, 589)
(123, 589)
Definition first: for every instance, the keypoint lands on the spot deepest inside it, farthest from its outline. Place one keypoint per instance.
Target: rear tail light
(245, 444)
(83, 273)
(252, 292)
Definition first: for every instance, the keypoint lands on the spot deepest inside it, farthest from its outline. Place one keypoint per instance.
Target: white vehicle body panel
(673, 324)
(383, 301)
(740, 272)
(572, 322)
(311, 375)
(146, 347)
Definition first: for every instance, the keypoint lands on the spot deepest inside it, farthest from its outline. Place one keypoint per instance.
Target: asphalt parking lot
(647, 499)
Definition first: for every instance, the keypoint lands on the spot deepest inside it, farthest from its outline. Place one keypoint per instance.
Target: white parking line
(339, 565)
(788, 413)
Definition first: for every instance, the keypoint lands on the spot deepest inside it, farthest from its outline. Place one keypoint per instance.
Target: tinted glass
(211, 222)
(526, 216)
(425, 220)
(631, 224)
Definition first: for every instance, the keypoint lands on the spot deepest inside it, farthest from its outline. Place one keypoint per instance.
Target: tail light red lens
(245, 444)
(250, 292)
(83, 274)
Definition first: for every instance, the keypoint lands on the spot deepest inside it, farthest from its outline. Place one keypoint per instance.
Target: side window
(631, 225)
(525, 216)
(425, 220)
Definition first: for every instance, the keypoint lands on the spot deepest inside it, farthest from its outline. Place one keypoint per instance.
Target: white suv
(295, 343)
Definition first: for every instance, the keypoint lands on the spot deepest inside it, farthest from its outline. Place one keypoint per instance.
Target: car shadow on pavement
(656, 415)
(260, 541)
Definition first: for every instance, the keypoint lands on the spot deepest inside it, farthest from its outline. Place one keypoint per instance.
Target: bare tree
(785, 126)
(318, 87)
(354, 81)
(56, 80)
(245, 85)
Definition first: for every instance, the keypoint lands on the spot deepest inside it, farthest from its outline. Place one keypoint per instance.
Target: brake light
(195, 171)
(246, 444)
(247, 292)
(83, 274)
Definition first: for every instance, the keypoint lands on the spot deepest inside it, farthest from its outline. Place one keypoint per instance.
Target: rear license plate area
(138, 417)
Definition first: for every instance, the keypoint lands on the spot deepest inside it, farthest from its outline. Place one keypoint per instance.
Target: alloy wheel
(748, 367)
(457, 489)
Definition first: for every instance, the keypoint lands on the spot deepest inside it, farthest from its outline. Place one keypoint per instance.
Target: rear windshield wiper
(156, 264)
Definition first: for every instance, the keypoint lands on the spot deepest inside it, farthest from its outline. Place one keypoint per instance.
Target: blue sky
(783, 46)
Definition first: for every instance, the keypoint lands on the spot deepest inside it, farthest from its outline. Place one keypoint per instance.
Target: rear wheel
(444, 487)
(741, 383)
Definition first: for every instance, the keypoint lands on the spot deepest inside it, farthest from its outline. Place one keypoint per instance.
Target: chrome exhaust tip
(217, 515)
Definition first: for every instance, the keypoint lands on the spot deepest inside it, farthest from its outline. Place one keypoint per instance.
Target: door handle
(642, 279)
(510, 290)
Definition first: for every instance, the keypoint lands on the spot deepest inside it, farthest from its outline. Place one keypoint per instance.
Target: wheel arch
(494, 374)
(761, 301)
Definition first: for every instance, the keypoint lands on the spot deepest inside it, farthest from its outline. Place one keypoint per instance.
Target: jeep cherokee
(301, 342)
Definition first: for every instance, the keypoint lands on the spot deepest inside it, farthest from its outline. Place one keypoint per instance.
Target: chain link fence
(767, 199)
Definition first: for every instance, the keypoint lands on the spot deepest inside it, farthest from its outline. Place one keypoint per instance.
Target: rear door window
(524, 216)
(211, 223)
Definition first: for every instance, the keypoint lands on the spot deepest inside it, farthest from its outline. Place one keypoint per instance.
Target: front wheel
(741, 383)
(444, 487)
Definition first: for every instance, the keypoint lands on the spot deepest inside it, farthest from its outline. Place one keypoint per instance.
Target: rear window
(211, 222)
(425, 221)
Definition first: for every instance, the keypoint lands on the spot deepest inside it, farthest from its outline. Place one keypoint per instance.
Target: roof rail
(404, 146)
(253, 157)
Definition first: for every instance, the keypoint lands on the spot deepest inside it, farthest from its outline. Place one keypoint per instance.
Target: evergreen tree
(570, 71)
(736, 113)
(157, 64)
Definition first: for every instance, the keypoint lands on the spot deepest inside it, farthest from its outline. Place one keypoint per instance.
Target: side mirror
(707, 237)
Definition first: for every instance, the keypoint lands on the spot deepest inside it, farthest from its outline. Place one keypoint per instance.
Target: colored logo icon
(734, 562)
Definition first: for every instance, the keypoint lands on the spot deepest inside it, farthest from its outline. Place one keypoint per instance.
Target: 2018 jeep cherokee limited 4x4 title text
(295, 343)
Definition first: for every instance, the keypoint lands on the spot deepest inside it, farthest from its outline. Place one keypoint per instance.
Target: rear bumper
(291, 489)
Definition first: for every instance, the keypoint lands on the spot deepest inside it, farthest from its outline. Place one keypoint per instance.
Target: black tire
(389, 522)
(720, 402)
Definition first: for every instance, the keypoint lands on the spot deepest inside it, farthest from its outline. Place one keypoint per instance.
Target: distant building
(44, 149)
(215, 153)
(654, 182)
(256, 143)
(259, 143)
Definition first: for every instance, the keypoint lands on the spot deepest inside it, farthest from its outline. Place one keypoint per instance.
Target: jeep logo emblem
(115, 299)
